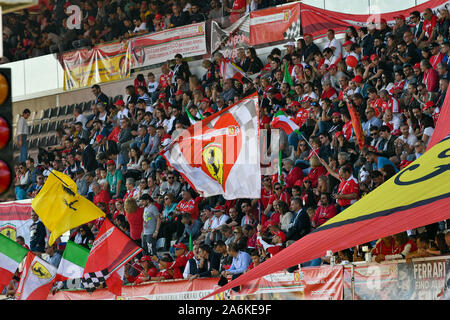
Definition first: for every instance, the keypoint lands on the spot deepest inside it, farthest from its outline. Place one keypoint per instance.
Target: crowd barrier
(421, 279)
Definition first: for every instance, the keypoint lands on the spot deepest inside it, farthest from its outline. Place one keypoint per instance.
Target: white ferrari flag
(220, 154)
(37, 279)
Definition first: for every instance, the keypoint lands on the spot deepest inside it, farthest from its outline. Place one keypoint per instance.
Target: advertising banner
(226, 39)
(319, 283)
(103, 63)
(158, 47)
(418, 280)
(275, 24)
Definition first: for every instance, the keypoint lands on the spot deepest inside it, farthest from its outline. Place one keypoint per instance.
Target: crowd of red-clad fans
(52, 26)
(112, 152)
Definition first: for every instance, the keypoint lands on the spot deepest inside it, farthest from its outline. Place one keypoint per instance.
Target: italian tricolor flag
(11, 255)
(282, 121)
(72, 262)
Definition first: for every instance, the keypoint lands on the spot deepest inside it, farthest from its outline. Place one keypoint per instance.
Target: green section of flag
(191, 246)
(280, 167)
(287, 77)
(76, 254)
(12, 249)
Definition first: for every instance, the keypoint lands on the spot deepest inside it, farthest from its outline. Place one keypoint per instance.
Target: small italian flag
(11, 255)
(72, 262)
(282, 121)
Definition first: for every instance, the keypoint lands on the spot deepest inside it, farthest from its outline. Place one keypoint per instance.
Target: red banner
(315, 283)
(317, 21)
(275, 24)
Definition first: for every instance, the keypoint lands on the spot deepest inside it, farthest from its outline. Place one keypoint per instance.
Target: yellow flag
(61, 208)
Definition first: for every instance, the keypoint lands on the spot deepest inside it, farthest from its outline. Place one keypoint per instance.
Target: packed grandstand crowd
(113, 150)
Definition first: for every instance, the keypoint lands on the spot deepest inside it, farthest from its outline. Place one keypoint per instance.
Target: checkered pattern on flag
(110, 251)
(220, 154)
(93, 280)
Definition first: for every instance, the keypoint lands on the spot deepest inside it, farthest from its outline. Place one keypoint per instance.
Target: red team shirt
(190, 206)
(347, 187)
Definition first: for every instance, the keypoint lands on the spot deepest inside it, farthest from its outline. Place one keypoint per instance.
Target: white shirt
(337, 44)
(82, 118)
(124, 113)
(217, 222)
(22, 126)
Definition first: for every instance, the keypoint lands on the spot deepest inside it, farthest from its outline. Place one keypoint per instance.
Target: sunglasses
(307, 181)
(277, 189)
(374, 134)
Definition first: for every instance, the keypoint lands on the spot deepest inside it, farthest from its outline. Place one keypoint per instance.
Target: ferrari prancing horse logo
(40, 271)
(213, 156)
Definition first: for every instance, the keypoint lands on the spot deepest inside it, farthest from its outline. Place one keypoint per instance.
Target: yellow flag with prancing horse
(61, 208)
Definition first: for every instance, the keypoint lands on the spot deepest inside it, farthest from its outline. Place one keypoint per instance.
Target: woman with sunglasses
(307, 195)
(279, 194)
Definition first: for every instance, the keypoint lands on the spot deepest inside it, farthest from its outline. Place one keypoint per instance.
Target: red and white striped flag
(228, 70)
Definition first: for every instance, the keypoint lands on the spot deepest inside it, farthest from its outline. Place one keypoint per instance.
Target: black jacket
(300, 227)
(214, 263)
(88, 158)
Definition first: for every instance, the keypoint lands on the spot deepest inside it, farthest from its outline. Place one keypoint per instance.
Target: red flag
(230, 70)
(111, 250)
(357, 127)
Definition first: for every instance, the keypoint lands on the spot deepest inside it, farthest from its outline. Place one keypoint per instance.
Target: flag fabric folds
(11, 255)
(229, 70)
(416, 196)
(357, 127)
(61, 208)
(283, 122)
(72, 262)
(219, 155)
(37, 279)
(110, 251)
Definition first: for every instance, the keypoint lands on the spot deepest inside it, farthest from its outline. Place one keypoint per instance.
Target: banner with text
(418, 280)
(227, 39)
(317, 283)
(275, 24)
(103, 63)
(15, 219)
(158, 47)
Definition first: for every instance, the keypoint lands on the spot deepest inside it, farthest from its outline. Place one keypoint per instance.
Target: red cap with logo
(373, 56)
(428, 105)
(180, 245)
(358, 79)
(280, 234)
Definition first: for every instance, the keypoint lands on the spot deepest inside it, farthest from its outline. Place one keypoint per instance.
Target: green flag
(287, 78)
(191, 246)
(73, 261)
(11, 255)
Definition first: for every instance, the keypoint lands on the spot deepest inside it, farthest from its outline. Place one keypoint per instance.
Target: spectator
(37, 234)
(134, 215)
(240, 264)
(152, 224)
(54, 257)
(23, 131)
(209, 264)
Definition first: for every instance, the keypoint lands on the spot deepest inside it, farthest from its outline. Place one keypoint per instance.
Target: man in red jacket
(293, 173)
(182, 257)
(100, 195)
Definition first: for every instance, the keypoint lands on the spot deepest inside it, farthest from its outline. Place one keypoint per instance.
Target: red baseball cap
(365, 58)
(119, 200)
(119, 102)
(158, 16)
(205, 100)
(307, 34)
(280, 234)
(110, 162)
(417, 65)
(428, 105)
(373, 56)
(180, 245)
(348, 43)
(162, 95)
(295, 103)
(400, 16)
(91, 18)
(178, 92)
(336, 114)
(332, 66)
(339, 133)
(112, 201)
(219, 208)
(358, 79)
(146, 258)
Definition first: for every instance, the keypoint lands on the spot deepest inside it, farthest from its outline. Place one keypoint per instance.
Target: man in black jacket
(209, 263)
(300, 224)
(88, 157)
